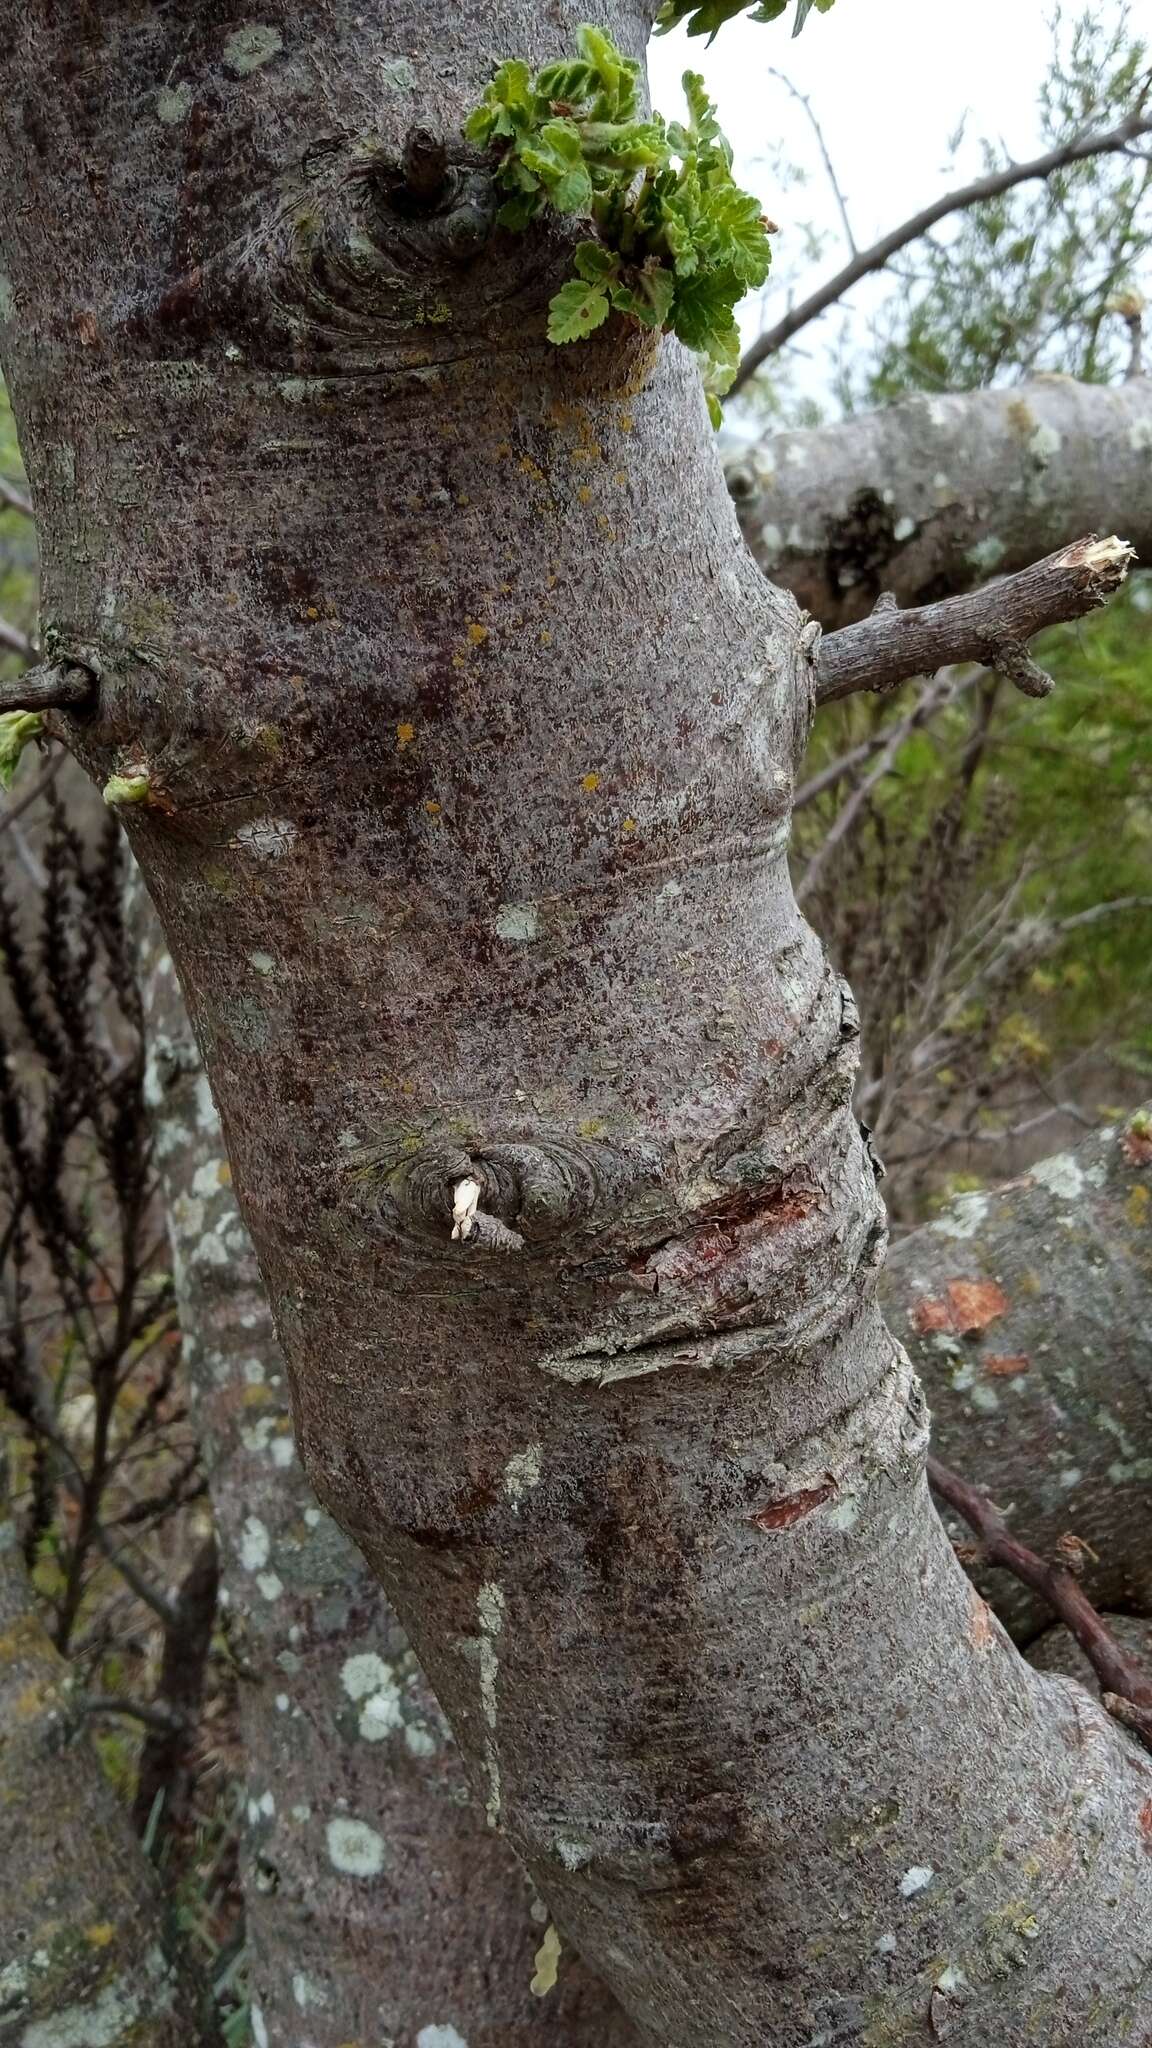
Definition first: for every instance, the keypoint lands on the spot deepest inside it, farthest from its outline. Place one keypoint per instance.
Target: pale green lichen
(986, 554)
(252, 46)
(355, 1848)
(517, 922)
(173, 103)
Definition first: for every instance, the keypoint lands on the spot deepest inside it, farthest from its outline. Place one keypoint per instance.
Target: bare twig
(933, 699)
(14, 499)
(818, 131)
(1122, 1677)
(55, 686)
(989, 625)
(990, 187)
(16, 642)
(152, 1714)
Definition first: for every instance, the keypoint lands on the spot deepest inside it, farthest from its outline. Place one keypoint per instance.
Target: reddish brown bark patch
(781, 1514)
(1146, 1824)
(1006, 1366)
(968, 1305)
(1136, 1144)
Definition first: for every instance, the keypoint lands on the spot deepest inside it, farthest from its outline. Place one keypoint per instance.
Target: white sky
(889, 81)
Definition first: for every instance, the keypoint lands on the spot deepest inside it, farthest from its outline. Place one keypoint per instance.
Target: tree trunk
(1026, 1311)
(86, 1952)
(930, 496)
(464, 728)
(337, 1720)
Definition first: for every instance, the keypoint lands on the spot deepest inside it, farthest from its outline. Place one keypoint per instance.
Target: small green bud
(16, 729)
(128, 789)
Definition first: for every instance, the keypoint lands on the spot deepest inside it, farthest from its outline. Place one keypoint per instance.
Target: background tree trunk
(337, 1721)
(930, 496)
(1026, 1311)
(466, 807)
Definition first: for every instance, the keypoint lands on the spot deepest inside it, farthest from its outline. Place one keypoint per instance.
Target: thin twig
(1121, 1676)
(14, 499)
(818, 131)
(990, 187)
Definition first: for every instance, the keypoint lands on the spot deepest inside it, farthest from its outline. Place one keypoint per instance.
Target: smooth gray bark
(933, 495)
(469, 807)
(345, 1745)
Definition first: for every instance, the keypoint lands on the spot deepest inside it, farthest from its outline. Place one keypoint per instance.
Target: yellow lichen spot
(592, 1127)
(311, 611)
(458, 661)
(621, 478)
(603, 521)
(545, 637)
(626, 423)
(505, 590)
(101, 1935)
(585, 494)
(432, 807)
(477, 633)
(232, 600)
(532, 469)
(1020, 416)
(297, 683)
(590, 781)
(1137, 1206)
(551, 585)
(224, 1174)
(547, 1961)
(405, 734)
(463, 499)
(629, 825)
(503, 449)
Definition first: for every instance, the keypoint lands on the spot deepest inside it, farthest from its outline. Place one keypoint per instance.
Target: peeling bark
(346, 1747)
(86, 1951)
(467, 729)
(931, 496)
(1026, 1312)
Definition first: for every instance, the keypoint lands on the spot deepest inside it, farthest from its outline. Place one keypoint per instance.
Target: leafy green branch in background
(705, 17)
(679, 243)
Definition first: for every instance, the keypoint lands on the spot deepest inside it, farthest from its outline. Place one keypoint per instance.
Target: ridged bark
(87, 1950)
(930, 496)
(337, 1721)
(469, 728)
(1026, 1311)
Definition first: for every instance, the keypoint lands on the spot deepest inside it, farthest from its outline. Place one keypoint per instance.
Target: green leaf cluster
(679, 243)
(705, 17)
(17, 728)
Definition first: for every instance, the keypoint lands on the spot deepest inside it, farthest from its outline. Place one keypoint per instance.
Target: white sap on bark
(471, 619)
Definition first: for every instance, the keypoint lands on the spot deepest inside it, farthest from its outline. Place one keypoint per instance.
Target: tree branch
(935, 494)
(13, 499)
(990, 187)
(990, 625)
(54, 686)
(1121, 1677)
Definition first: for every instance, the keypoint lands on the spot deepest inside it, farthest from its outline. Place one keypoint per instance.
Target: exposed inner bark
(469, 729)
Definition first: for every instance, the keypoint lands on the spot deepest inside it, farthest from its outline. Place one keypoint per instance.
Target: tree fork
(476, 729)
